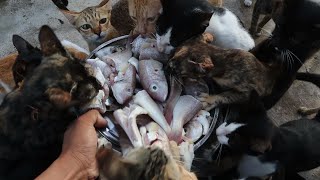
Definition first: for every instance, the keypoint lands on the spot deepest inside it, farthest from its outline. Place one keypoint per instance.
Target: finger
(101, 122)
(94, 118)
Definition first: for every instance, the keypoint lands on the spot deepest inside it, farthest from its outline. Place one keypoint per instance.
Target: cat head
(248, 127)
(140, 163)
(60, 78)
(297, 32)
(93, 23)
(144, 13)
(28, 58)
(192, 58)
(179, 21)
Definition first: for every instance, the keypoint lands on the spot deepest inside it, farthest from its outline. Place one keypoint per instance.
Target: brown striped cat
(94, 23)
(142, 163)
(145, 13)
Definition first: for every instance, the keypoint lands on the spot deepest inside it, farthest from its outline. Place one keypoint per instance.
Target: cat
(292, 147)
(296, 38)
(235, 71)
(141, 163)
(146, 12)
(269, 8)
(93, 23)
(183, 19)
(34, 116)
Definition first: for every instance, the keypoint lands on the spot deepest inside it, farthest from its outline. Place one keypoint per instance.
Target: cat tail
(61, 4)
(309, 77)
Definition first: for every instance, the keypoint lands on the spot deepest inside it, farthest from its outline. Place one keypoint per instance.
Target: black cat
(34, 116)
(292, 147)
(295, 38)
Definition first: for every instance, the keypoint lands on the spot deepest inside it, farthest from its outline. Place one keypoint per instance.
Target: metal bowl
(111, 134)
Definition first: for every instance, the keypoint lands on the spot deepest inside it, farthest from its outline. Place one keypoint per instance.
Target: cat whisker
(290, 58)
(298, 59)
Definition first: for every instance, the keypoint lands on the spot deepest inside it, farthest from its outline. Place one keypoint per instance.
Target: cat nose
(97, 31)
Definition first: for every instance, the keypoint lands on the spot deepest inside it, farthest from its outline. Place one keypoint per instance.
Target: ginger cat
(145, 13)
(93, 23)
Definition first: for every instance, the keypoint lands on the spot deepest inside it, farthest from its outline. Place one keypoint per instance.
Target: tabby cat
(34, 116)
(236, 72)
(141, 164)
(94, 23)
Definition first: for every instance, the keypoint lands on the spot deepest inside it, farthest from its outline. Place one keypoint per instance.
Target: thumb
(100, 122)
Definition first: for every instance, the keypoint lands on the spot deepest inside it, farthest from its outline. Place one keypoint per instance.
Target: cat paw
(59, 97)
(187, 154)
(206, 100)
(247, 3)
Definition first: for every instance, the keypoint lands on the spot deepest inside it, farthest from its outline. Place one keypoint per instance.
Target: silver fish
(153, 79)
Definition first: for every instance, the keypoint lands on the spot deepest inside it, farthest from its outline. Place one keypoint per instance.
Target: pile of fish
(133, 77)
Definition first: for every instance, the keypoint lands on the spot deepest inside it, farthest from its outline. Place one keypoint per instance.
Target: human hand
(78, 157)
(80, 142)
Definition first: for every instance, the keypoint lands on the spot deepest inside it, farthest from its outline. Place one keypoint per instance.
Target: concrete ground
(27, 16)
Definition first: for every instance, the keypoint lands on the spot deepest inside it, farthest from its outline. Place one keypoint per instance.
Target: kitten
(296, 37)
(236, 72)
(269, 8)
(93, 23)
(34, 116)
(140, 163)
(292, 147)
(183, 19)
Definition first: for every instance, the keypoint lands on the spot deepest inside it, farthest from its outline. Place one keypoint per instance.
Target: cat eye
(151, 19)
(86, 26)
(103, 20)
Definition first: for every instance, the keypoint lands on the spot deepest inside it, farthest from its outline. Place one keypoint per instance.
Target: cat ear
(105, 4)
(70, 15)
(49, 42)
(22, 46)
(206, 63)
(205, 16)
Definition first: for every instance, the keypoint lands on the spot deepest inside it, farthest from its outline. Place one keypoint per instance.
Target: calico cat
(292, 147)
(236, 72)
(34, 116)
(93, 23)
(183, 19)
(269, 8)
(296, 37)
(141, 164)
